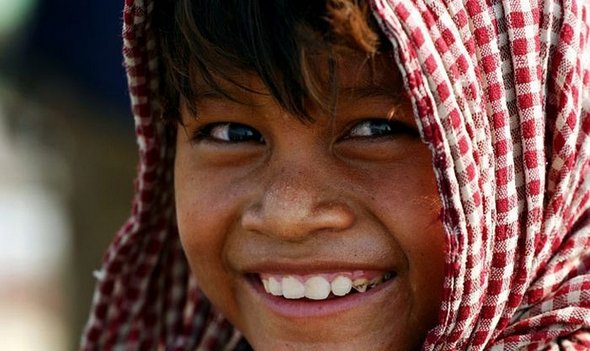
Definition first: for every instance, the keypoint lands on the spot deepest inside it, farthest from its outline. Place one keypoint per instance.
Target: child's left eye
(229, 132)
(378, 127)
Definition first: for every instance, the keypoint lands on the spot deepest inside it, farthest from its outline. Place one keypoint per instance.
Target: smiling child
(351, 175)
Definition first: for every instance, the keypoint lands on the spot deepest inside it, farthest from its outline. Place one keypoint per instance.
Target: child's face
(261, 195)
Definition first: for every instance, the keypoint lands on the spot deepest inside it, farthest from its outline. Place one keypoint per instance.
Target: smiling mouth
(322, 286)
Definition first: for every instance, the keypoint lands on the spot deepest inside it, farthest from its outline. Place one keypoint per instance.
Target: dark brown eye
(229, 132)
(379, 127)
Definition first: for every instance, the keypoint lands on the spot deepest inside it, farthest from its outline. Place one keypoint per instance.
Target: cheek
(415, 201)
(196, 220)
(198, 230)
(201, 245)
(410, 206)
(203, 220)
(202, 200)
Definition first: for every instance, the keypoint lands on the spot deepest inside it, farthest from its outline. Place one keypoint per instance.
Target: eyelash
(389, 128)
(207, 131)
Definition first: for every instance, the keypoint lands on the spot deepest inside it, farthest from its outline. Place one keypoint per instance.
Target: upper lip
(312, 266)
(320, 254)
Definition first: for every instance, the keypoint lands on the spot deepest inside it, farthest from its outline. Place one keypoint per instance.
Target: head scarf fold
(501, 94)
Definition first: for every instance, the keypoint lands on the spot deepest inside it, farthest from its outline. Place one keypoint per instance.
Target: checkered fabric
(501, 93)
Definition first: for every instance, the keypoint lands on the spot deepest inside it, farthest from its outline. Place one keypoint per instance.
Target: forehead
(366, 72)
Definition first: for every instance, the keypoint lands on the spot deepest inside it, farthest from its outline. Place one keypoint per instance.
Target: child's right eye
(228, 132)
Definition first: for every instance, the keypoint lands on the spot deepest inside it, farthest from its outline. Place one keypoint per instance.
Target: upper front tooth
(274, 286)
(341, 285)
(292, 288)
(317, 288)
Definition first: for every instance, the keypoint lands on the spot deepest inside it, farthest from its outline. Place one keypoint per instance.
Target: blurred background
(67, 161)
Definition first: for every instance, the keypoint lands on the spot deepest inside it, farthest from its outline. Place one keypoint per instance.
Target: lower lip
(305, 308)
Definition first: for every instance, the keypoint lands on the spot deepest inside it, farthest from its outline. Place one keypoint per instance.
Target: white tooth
(274, 287)
(293, 288)
(360, 285)
(265, 284)
(341, 285)
(317, 288)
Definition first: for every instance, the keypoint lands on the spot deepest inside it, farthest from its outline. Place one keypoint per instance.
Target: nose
(295, 205)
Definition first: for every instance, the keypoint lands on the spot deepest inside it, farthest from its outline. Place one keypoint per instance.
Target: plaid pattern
(501, 93)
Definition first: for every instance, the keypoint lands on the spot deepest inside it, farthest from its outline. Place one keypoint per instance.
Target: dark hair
(274, 39)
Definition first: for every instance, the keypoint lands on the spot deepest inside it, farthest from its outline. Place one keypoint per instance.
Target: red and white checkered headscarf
(501, 93)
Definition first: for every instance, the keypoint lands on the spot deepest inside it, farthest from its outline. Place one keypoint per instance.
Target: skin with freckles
(260, 191)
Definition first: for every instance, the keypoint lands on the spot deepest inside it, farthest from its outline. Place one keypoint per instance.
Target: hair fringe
(348, 20)
(192, 46)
